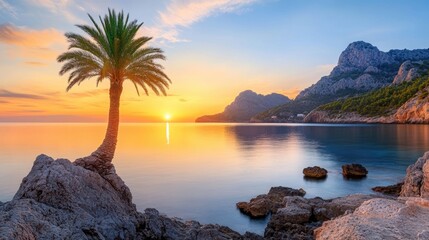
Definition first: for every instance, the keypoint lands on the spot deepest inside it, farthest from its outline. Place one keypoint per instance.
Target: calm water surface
(199, 171)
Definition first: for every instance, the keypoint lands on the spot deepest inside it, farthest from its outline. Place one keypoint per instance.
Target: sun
(167, 117)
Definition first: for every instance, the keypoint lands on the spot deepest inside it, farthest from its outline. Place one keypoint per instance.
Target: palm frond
(113, 51)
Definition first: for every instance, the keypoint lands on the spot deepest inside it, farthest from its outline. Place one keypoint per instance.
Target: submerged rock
(315, 172)
(380, 219)
(393, 190)
(354, 171)
(264, 204)
(59, 200)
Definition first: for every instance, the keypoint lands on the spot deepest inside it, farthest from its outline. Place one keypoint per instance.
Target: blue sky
(215, 48)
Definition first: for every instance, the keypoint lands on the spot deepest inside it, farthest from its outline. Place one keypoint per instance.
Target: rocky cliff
(59, 200)
(361, 68)
(246, 105)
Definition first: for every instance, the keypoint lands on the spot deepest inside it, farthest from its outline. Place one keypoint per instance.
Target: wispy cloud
(32, 45)
(9, 94)
(60, 7)
(5, 6)
(183, 13)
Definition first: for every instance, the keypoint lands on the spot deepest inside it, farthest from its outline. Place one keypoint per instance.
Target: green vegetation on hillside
(304, 105)
(382, 101)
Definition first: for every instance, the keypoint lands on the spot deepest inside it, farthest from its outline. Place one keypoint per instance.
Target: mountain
(404, 101)
(246, 105)
(361, 68)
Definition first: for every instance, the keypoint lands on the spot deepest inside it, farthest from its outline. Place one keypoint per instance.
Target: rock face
(380, 219)
(361, 67)
(59, 200)
(407, 72)
(246, 105)
(262, 205)
(354, 171)
(415, 110)
(416, 183)
(315, 172)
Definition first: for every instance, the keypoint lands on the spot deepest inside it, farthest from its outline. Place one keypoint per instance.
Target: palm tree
(113, 52)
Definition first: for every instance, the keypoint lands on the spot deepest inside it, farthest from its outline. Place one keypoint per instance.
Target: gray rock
(300, 216)
(407, 72)
(264, 204)
(362, 55)
(59, 200)
(297, 210)
(416, 183)
(362, 67)
(379, 219)
(246, 105)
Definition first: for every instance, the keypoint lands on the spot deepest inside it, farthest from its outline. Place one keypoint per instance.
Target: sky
(215, 49)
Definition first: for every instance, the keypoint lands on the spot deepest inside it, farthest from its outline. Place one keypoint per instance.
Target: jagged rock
(315, 172)
(379, 219)
(354, 171)
(354, 71)
(407, 72)
(246, 105)
(362, 55)
(416, 183)
(264, 204)
(300, 216)
(258, 207)
(393, 190)
(59, 200)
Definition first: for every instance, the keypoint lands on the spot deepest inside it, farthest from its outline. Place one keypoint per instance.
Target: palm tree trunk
(106, 150)
(101, 160)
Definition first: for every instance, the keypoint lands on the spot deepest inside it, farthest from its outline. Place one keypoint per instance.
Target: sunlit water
(199, 171)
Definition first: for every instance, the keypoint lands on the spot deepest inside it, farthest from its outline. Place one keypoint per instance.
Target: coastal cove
(199, 171)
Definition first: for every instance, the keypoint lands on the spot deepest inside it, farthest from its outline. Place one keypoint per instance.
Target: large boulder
(59, 200)
(300, 216)
(380, 219)
(264, 204)
(354, 171)
(416, 183)
(315, 172)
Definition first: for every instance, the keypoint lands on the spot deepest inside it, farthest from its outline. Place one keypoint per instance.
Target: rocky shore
(60, 200)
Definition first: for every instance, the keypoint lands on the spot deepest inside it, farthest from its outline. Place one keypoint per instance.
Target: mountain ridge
(245, 105)
(361, 68)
